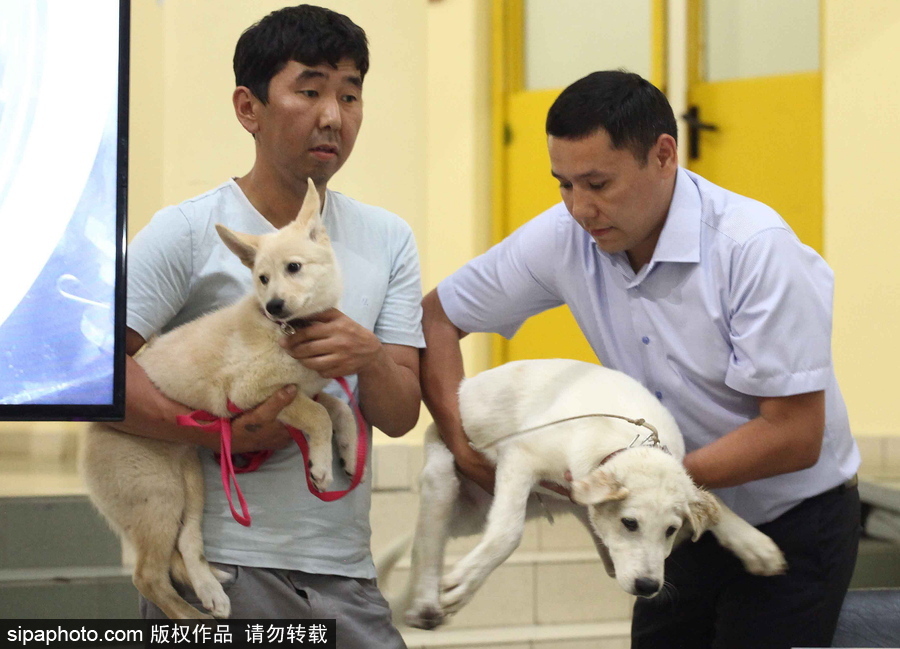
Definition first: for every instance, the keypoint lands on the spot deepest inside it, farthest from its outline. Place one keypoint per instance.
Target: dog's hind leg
(344, 430)
(505, 525)
(190, 543)
(438, 494)
(154, 541)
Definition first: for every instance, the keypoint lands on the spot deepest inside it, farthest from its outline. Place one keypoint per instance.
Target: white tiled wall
(880, 456)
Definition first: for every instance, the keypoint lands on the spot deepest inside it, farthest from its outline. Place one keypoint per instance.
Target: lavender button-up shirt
(731, 307)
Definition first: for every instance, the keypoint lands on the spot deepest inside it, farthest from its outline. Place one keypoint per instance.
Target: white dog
(151, 491)
(566, 422)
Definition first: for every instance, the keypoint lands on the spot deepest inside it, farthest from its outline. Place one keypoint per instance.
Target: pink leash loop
(222, 425)
(210, 423)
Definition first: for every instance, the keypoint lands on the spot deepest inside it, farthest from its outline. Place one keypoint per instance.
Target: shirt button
(645, 340)
(659, 395)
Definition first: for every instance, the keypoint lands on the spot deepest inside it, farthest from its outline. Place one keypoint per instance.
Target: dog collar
(651, 441)
(288, 327)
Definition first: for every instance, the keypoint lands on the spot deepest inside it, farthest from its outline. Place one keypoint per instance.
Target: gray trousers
(363, 616)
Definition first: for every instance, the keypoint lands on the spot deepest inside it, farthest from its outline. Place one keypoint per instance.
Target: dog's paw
(320, 474)
(457, 589)
(214, 599)
(424, 616)
(350, 469)
(765, 558)
(346, 447)
(759, 554)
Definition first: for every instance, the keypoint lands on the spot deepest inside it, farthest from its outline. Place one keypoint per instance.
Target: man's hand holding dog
(476, 467)
(259, 429)
(333, 345)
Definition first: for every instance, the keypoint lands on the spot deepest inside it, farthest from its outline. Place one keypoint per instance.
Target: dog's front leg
(312, 418)
(345, 433)
(759, 554)
(505, 525)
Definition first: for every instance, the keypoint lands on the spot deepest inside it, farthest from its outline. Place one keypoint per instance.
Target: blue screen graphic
(59, 90)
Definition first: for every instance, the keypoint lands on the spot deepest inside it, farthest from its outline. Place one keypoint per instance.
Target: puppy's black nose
(275, 307)
(645, 587)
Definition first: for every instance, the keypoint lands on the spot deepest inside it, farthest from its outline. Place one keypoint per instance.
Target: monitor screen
(63, 181)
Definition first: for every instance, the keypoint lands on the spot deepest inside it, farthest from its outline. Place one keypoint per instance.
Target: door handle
(692, 119)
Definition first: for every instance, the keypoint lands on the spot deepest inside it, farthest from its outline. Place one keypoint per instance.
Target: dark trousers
(712, 602)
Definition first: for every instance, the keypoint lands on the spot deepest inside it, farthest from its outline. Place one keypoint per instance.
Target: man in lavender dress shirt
(712, 302)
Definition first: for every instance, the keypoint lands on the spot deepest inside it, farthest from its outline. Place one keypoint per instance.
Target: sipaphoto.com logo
(71, 636)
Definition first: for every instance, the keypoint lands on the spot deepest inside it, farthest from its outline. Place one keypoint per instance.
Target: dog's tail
(385, 563)
(388, 559)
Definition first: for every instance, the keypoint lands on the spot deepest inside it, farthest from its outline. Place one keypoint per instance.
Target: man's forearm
(149, 413)
(786, 437)
(442, 372)
(389, 395)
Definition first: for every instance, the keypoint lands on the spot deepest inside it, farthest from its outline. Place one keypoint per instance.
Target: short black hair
(632, 111)
(307, 34)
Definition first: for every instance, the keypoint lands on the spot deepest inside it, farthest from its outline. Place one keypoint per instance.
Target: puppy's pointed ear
(598, 487)
(243, 245)
(703, 512)
(309, 219)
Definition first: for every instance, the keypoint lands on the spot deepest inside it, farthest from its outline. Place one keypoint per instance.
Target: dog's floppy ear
(703, 512)
(309, 219)
(243, 245)
(598, 487)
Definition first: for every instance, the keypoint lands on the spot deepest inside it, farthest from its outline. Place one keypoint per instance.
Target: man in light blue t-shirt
(711, 302)
(299, 75)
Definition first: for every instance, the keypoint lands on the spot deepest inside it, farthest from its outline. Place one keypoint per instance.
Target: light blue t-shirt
(179, 269)
(732, 306)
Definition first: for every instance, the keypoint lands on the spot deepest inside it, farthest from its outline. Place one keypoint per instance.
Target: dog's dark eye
(263, 279)
(630, 524)
(293, 267)
(671, 531)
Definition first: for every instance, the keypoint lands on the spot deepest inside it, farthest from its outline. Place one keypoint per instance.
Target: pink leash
(222, 425)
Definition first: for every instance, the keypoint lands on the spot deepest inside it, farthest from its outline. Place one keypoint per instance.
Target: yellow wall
(186, 140)
(458, 151)
(862, 201)
(424, 148)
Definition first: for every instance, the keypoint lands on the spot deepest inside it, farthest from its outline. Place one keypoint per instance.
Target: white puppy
(151, 491)
(562, 420)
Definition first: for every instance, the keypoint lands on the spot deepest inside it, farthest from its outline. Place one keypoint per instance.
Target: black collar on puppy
(287, 327)
(291, 326)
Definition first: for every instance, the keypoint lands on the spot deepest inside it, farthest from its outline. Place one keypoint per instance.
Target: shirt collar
(679, 240)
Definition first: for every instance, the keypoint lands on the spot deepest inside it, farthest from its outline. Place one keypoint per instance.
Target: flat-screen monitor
(63, 181)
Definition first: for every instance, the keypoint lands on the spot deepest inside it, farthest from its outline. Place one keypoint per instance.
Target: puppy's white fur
(151, 491)
(639, 502)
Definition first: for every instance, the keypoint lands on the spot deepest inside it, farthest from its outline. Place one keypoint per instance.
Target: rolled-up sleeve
(497, 291)
(159, 271)
(400, 320)
(780, 314)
